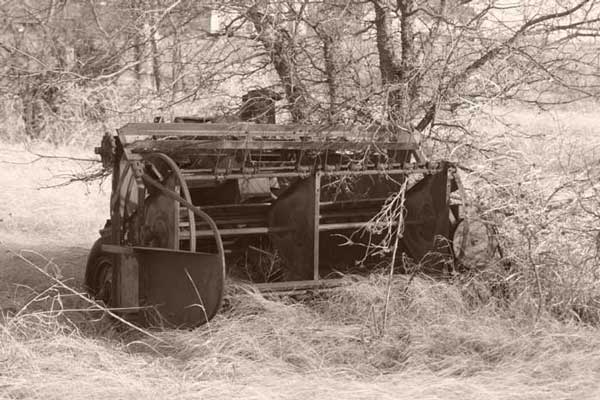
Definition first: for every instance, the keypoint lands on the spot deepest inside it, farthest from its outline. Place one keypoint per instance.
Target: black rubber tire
(98, 274)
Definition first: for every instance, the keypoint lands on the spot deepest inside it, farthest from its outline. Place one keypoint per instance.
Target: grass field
(443, 340)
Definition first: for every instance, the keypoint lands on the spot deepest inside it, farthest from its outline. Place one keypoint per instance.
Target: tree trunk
(138, 55)
(398, 74)
(155, 61)
(51, 11)
(153, 40)
(177, 65)
(278, 43)
(331, 72)
(409, 81)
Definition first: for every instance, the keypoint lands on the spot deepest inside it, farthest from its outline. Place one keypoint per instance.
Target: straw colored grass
(260, 348)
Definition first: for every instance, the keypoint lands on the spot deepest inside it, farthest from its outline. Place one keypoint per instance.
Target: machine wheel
(474, 242)
(98, 274)
(159, 212)
(478, 248)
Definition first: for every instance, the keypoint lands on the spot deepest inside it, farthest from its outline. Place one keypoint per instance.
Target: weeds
(432, 328)
(536, 187)
(524, 327)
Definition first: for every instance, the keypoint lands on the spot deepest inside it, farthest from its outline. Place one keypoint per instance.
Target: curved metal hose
(186, 193)
(196, 210)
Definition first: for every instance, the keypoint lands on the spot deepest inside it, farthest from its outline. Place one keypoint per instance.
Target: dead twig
(399, 234)
(537, 279)
(61, 284)
(40, 157)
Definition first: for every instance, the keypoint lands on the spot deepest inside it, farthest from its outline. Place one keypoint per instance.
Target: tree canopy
(406, 62)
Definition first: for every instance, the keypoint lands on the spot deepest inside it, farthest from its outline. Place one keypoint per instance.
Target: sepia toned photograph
(300, 199)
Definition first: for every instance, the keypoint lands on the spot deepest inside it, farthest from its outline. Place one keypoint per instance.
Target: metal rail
(302, 174)
(296, 286)
(193, 146)
(252, 129)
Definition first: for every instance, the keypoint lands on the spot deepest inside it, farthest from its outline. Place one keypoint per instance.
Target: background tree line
(408, 63)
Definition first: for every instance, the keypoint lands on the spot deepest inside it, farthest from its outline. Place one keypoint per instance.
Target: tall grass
(436, 345)
(533, 176)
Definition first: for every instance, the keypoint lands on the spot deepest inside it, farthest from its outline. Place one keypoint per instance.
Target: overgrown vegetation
(330, 344)
(480, 332)
(494, 95)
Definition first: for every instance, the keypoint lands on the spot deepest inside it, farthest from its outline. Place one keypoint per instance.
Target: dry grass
(534, 175)
(443, 340)
(436, 347)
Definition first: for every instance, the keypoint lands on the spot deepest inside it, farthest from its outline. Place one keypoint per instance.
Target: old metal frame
(249, 137)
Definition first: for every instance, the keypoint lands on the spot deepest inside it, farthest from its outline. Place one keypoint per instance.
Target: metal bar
(264, 230)
(384, 171)
(352, 202)
(192, 146)
(297, 292)
(234, 232)
(176, 218)
(183, 129)
(344, 225)
(307, 173)
(356, 225)
(115, 200)
(114, 249)
(238, 206)
(288, 168)
(316, 211)
(367, 224)
(350, 213)
(140, 206)
(253, 206)
(259, 219)
(298, 285)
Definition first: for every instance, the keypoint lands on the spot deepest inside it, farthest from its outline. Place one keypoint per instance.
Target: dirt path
(20, 281)
(38, 214)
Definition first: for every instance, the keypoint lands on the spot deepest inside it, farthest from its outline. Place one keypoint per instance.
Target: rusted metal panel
(294, 213)
(170, 287)
(428, 243)
(184, 289)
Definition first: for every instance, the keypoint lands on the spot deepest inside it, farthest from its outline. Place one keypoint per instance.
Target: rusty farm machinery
(286, 207)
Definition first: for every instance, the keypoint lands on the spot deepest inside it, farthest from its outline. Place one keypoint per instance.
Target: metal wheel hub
(104, 280)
